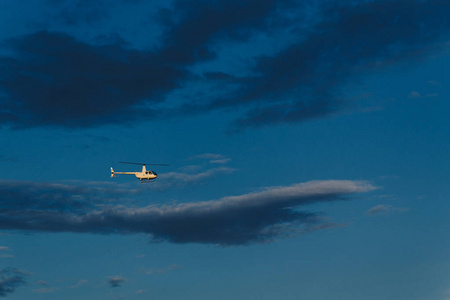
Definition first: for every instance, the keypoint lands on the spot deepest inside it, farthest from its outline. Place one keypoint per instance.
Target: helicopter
(143, 175)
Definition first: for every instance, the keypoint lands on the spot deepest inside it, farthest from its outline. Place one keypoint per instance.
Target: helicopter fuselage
(143, 175)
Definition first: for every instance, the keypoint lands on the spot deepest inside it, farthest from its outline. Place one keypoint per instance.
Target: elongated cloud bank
(53, 78)
(236, 220)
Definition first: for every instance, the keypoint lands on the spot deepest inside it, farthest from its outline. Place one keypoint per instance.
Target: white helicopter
(144, 174)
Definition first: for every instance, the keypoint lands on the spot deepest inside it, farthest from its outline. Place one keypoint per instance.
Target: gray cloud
(10, 280)
(237, 220)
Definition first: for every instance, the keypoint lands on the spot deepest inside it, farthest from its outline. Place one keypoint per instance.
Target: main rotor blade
(142, 164)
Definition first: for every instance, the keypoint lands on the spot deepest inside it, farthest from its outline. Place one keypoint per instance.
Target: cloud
(79, 283)
(70, 83)
(191, 27)
(5, 255)
(189, 175)
(116, 281)
(10, 280)
(73, 13)
(302, 81)
(383, 209)
(236, 220)
(415, 94)
(42, 283)
(213, 158)
(45, 290)
(53, 79)
(150, 271)
(178, 179)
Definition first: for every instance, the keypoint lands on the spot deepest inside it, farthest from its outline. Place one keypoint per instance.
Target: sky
(306, 142)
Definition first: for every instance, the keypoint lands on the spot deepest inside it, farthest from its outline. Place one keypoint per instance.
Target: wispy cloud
(150, 271)
(5, 255)
(236, 220)
(45, 290)
(213, 158)
(42, 283)
(384, 209)
(179, 179)
(210, 156)
(79, 283)
(416, 94)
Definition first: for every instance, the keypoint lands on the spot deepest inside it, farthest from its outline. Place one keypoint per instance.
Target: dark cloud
(237, 220)
(56, 80)
(10, 280)
(53, 79)
(116, 281)
(76, 12)
(56, 197)
(301, 82)
(193, 26)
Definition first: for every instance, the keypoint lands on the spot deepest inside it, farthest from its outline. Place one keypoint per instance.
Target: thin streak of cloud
(220, 161)
(416, 94)
(212, 157)
(79, 283)
(178, 179)
(45, 290)
(207, 156)
(42, 283)
(150, 271)
(384, 209)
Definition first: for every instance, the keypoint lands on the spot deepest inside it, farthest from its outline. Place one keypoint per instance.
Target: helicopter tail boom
(113, 173)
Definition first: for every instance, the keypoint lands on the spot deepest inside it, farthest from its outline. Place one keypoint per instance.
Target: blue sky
(307, 143)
